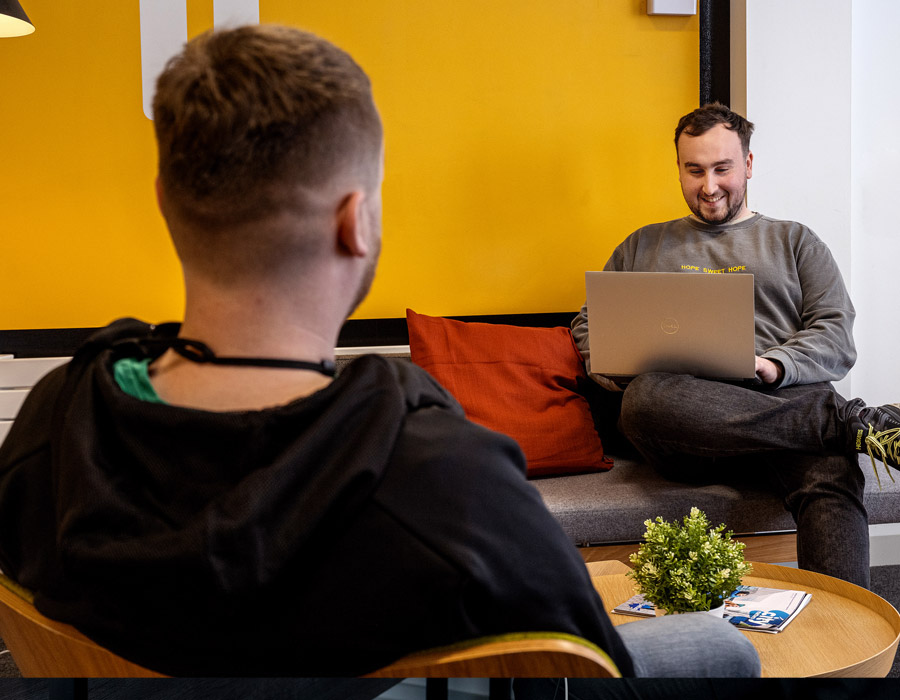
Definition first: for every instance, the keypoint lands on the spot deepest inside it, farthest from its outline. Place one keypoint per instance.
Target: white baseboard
(884, 544)
(372, 350)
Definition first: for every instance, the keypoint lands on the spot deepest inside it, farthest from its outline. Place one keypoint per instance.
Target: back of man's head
(250, 121)
(704, 118)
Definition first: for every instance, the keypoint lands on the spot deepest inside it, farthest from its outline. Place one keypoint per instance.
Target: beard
(372, 212)
(368, 276)
(735, 206)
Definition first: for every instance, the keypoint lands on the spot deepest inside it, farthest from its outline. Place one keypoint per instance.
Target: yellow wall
(524, 139)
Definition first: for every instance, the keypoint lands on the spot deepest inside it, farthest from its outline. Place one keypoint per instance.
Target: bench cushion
(612, 506)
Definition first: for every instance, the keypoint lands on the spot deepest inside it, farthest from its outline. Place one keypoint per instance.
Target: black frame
(62, 342)
(715, 51)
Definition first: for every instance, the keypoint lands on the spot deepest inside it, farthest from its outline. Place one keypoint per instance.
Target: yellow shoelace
(886, 446)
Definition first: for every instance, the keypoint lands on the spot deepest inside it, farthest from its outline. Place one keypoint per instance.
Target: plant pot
(716, 612)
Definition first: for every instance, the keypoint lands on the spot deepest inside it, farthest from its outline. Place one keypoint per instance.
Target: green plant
(688, 567)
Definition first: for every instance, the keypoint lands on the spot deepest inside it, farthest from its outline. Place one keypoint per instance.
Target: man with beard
(209, 499)
(793, 428)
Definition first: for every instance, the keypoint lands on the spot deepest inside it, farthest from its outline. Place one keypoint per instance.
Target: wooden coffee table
(845, 631)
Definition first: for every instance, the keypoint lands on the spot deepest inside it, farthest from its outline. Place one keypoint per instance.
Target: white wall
(875, 195)
(794, 84)
(818, 77)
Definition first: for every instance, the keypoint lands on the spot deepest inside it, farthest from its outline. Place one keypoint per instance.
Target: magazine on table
(748, 607)
(636, 606)
(764, 609)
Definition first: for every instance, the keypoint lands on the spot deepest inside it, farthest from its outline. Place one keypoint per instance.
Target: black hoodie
(329, 536)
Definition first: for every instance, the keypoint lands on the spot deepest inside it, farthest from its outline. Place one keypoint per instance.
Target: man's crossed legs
(799, 438)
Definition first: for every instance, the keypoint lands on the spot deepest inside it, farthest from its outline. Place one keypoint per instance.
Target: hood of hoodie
(226, 500)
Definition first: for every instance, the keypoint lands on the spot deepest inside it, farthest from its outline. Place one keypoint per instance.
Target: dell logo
(669, 325)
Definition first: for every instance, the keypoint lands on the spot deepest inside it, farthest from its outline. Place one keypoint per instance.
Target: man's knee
(698, 646)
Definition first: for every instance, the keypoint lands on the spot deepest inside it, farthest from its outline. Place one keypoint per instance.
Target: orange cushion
(516, 380)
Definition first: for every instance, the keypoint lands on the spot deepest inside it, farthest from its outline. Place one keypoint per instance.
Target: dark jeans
(793, 438)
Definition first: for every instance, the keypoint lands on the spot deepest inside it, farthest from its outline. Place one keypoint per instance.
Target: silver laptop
(686, 323)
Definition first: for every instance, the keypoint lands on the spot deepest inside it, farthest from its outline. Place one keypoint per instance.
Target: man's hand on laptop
(769, 372)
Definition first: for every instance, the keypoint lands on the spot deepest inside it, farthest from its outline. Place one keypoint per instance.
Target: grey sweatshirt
(804, 316)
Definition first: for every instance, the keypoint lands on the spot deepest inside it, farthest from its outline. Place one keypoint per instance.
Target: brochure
(764, 609)
(637, 606)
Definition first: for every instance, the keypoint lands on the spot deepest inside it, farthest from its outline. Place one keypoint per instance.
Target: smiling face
(713, 171)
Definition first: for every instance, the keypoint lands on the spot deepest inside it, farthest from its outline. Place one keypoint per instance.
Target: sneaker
(876, 430)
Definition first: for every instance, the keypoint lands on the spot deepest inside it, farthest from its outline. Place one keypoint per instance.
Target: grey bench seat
(610, 507)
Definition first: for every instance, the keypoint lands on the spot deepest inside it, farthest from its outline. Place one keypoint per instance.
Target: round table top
(845, 630)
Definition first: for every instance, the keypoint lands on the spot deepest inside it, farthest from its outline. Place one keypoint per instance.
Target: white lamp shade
(13, 20)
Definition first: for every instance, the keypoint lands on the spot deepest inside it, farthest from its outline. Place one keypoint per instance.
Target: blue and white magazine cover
(763, 609)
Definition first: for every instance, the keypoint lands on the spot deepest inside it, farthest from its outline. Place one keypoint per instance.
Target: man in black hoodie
(207, 498)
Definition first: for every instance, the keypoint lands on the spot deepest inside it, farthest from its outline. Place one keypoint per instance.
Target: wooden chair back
(44, 648)
(531, 655)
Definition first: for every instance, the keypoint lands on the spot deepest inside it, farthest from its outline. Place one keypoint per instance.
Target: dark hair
(706, 117)
(247, 117)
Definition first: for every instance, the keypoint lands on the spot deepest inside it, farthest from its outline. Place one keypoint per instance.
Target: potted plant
(687, 567)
